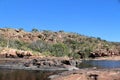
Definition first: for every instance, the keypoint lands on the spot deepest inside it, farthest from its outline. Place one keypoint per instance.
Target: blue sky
(97, 18)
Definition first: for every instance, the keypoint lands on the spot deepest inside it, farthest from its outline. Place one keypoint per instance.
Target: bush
(47, 53)
(85, 53)
(59, 50)
(17, 44)
(21, 29)
(3, 42)
(35, 30)
(74, 55)
(39, 46)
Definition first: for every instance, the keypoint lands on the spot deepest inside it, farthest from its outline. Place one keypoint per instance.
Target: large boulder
(22, 54)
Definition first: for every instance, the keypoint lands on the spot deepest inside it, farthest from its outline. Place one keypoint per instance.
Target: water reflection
(100, 64)
(24, 75)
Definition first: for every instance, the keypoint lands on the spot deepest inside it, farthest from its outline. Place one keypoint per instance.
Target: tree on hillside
(35, 30)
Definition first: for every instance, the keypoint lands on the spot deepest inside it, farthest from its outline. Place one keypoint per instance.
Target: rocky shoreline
(45, 64)
(88, 74)
(67, 66)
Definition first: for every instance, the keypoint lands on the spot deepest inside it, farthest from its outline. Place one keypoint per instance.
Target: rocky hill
(58, 44)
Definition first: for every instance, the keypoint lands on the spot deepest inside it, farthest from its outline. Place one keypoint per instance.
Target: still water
(6, 74)
(100, 64)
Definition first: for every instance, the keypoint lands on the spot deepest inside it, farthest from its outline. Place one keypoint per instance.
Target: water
(100, 64)
(6, 74)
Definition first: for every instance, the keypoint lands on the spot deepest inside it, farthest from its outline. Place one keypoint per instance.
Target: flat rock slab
(88, 74)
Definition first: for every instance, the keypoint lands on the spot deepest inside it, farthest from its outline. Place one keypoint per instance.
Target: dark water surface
(6, 74)
(100, 64)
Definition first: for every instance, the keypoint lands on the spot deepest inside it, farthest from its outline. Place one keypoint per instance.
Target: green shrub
(35, 30)
(39, 46)
(18, 44)
(47, 53)
(3, 42)
(59, 50)
(74, 55)
(21, 29)
(85, 53)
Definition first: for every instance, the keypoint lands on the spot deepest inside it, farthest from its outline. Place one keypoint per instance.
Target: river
(100, 64)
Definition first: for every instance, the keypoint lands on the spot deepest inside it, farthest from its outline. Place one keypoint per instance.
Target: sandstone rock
(104, 52)
(22, 54)
(13, 53)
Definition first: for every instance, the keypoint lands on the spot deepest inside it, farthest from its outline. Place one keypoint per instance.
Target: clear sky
(97, 18)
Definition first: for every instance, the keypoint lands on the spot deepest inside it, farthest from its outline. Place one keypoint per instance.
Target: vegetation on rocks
(58, 44)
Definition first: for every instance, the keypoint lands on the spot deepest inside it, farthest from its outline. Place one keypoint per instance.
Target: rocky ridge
(75, 44)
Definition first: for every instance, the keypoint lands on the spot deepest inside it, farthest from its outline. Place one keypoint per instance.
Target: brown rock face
(30, 36)
(13, 53)
(22, 54)
(104, 52)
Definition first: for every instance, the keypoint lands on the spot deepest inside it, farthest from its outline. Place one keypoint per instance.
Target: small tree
(21, 29)
(35, 30)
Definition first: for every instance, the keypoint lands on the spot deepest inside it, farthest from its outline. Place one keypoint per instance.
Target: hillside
(58, 44)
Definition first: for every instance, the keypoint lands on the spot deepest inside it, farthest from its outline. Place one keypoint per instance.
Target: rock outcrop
(104, 52)
(13, 53)
(54, 63)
